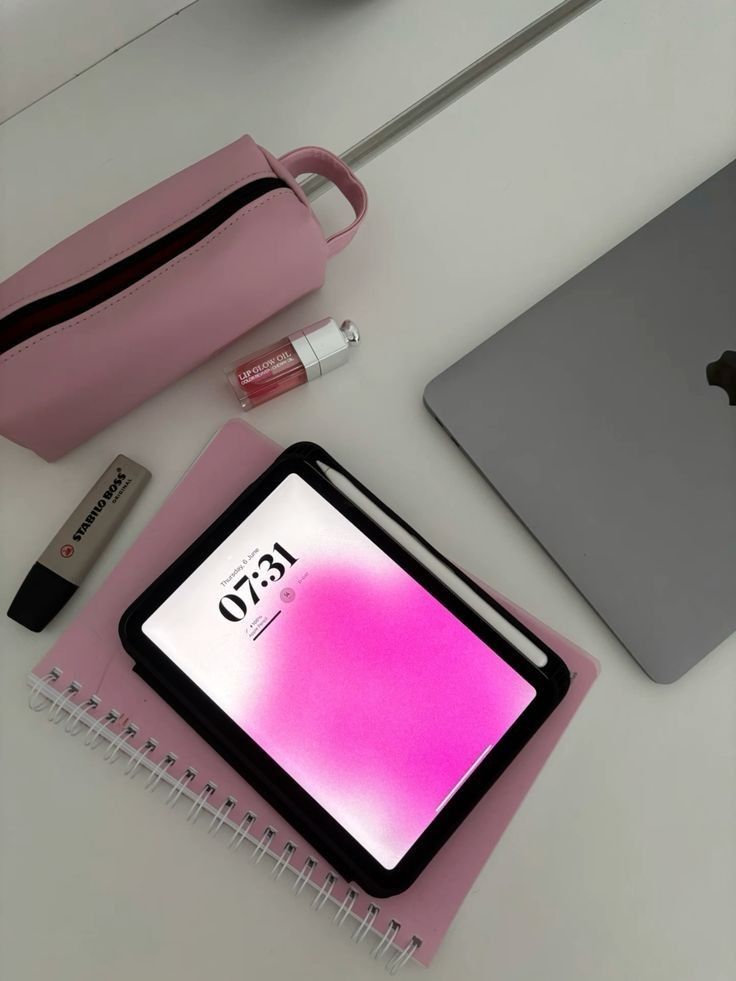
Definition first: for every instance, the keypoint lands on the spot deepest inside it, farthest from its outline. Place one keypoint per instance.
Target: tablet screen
(345, 670)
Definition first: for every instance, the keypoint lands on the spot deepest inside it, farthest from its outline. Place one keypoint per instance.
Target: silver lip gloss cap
(324, 346)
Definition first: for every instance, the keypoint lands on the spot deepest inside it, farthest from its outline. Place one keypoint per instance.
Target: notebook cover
(89, 653)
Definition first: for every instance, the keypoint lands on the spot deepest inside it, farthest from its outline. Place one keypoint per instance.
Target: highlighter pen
(78, 544)
(438, 568)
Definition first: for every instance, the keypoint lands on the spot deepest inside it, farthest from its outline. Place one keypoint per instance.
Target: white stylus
(438, 568)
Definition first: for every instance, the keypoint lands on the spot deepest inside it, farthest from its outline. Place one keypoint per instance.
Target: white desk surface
(235, 48)
(290, 72)
(621, 864)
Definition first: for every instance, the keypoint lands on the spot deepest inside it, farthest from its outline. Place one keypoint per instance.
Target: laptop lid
(592, 415)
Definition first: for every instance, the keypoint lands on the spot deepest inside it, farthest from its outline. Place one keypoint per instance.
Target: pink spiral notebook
(87, 680)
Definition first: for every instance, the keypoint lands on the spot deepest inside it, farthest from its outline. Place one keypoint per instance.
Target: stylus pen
(438, 568)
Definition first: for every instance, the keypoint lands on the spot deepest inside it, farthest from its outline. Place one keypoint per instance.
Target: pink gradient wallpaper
(363, 687)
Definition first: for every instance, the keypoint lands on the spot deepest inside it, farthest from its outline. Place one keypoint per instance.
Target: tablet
(319, 649)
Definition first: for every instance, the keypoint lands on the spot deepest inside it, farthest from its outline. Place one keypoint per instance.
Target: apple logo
(722, 373)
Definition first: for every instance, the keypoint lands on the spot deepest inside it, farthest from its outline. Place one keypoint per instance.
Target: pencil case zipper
(49, 311)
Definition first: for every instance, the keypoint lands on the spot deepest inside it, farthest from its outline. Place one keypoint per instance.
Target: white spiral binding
(221, 816)
(304, 876)
(158, 772)
(178, 789)
(283, 862)
(366, 923)
(62, 702)
(262, 847)
(74, 725)
(136, 759)
(402, 956)
(83, 713)
(196, 808)
(346, 906)
(241, 832)
(325, 891)
(111, 753)
(95, 731)
(387, 939)
(34, 702)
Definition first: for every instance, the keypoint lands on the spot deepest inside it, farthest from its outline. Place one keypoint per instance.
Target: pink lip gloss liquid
(293, 361)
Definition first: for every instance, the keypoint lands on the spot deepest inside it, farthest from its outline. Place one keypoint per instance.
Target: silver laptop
(602, 417)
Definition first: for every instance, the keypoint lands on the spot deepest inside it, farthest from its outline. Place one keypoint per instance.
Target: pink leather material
(314, 160)
(63, 385)
(138, 221)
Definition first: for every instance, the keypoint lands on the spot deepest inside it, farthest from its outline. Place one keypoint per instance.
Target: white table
(621, 864)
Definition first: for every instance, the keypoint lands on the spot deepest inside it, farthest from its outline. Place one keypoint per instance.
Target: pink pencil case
(138, 298)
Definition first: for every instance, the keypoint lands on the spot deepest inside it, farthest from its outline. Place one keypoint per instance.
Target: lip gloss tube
(293, 361)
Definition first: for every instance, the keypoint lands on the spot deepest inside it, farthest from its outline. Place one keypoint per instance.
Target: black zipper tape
(49, 311)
